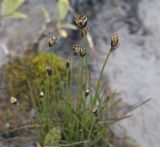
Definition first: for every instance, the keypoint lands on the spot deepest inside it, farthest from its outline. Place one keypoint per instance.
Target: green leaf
(68, 26)
(53, 137)
(63, 8)
(10, 6)
(46, 14)
(17, 15)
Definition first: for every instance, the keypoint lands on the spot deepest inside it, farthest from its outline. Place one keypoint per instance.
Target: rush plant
(77, 113)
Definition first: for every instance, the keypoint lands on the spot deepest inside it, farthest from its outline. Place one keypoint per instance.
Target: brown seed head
(94, 110)
(76, 49)
(115, 41)
(41, 94)
(67, 63)
(52, 41)
(82, 52)
(49, 70)
(87, 93)
(81, 21)
(13, 100)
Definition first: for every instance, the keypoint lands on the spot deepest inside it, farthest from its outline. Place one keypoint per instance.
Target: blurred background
(133, 69)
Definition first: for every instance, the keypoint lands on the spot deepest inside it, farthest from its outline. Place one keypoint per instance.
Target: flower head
(82, 52)
(14, 100)
(67, 63)
(81, 21)
(52, 41)
(94, 110)
(76, 49)
(49, 70)
(115, 41)
(41, 94)
(87, 93)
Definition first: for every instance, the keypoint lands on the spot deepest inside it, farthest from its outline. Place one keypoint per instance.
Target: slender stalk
(71, 80)
(88, 74)
(31, 93)
(100, 77)
(84, 42)
(67, 81)
(79, 101)
(91, 127)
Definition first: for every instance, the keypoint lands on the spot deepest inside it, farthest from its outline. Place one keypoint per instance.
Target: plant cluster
(77, 114)
(30, 69)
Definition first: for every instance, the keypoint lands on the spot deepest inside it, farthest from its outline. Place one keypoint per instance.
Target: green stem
(80, 84)
(67, 81)
(91, 127)
(100, 77)
(84, 41)
(71, 81)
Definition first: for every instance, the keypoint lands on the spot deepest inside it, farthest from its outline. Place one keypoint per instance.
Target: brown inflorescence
(41, 94)
(115, 41)
(49, 70)
(86, 93)
(82, 52)
(94, 110)
(67, 63)
(52, 41)
(13, 100)
(81, 21)
(77, 50)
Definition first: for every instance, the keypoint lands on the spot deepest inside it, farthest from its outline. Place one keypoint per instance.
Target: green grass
(77, 118)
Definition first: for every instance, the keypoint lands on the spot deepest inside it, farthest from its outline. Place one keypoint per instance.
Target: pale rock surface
(134, 71)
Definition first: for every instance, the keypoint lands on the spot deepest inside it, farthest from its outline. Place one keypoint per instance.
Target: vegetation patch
(29, 69)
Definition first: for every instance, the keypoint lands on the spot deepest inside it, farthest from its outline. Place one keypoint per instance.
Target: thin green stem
(67, 81)
(80, 85)
(71, 80)
(100, 77)
(84, 42)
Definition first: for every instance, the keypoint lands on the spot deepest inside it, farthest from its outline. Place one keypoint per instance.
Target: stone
(133, 69)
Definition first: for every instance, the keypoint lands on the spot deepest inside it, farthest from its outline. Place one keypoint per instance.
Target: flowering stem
(71, 81)
(67, 80)
(84, 41)
(100, 77)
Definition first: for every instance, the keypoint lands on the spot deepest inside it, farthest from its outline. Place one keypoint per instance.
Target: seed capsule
(94, 110)
(76, 49)
(67, 63)
(14, 100)
(52, 41)
(81, 21)
(82, 52)
(115, 41)
(41, 94)
(86, 93)
(49, 70)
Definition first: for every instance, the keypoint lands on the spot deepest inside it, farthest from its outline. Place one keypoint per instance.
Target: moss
(32, 69)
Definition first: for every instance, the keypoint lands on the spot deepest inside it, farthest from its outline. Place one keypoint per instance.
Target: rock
(133, 68)
(17, 35)
(4, 53)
